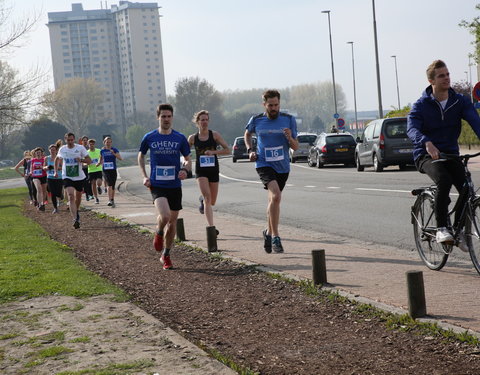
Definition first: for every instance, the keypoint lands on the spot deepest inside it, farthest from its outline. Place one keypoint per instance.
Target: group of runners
(69, 171)
(276, 132)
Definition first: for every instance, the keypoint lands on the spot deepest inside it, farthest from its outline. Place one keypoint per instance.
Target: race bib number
(274, 153)
(51, 173)
(163, 173)
(94, 161)
(37, 173)
(207, 161)
(108, 165)
(72, 168)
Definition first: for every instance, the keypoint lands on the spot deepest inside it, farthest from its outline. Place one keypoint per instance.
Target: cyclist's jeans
(444, 174)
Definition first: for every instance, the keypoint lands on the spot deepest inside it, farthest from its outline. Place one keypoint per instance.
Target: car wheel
(360, 167)
(310, 162)
(319, 162)
(234, 160)
(377, 167)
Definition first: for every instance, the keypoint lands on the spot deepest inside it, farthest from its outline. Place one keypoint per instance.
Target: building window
(64, 33)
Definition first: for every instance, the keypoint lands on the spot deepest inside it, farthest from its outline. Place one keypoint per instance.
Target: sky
(238, 45)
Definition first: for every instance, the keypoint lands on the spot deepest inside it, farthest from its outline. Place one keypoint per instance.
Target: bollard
(319, 267)
(212, 239)
(416, 294)
(180, 229)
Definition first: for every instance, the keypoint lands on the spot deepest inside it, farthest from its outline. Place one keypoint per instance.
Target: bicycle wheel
(472, 233)
(431, 252)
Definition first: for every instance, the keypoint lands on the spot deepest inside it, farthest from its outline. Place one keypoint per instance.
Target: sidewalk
(366, 272)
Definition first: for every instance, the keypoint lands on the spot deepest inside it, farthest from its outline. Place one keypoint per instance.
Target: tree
(474, 27)
(42, 133)
(403, 112)
(11, 33)
(134, 136)
(73, 103)
(463, 87)
(318, 125)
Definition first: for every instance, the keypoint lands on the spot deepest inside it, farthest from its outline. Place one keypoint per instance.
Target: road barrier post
(212, 239)
(416, 294)
(180, 230)
(319, 268)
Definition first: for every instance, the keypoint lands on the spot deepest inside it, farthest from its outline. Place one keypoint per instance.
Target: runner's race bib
(108, 165)
(94, 161)
(274, 153)
(165, 173)
(72, 168)
(207, 161)
(37, 173)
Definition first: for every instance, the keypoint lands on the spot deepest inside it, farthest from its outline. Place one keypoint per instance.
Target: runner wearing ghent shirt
(72, 155)
(166, 172)
(108, 161)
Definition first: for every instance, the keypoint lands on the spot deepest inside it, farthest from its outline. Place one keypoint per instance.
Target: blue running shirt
(272, 145)
(165, 151)
(109, 159)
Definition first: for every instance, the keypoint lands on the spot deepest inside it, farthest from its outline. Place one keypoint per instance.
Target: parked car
(384, 142)
(332, 148)
(239, 150)
(6, 163)
(305, 141)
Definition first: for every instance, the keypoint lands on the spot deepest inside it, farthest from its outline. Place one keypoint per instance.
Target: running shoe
(201, 208)
(110, 203)
(55, 211)
(97, 201)
(158, 242)
(88, 198)
(166, 261)
(76, 224)
(277, 245)
(45, 202)
(267, 242)
(99, 189)
(113, 204)
(443, 235)
(41, 207)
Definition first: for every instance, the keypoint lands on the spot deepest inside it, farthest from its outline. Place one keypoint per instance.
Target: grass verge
(32, 265)
(8, 173)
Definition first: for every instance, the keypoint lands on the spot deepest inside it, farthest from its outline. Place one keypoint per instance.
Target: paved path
(372, 273)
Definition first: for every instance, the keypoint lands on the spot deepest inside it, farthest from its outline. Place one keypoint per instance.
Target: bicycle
(433, 254)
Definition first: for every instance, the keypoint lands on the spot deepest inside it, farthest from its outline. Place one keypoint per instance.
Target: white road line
(333, 187)
(386, 190)
(239, 180)
(310, 186)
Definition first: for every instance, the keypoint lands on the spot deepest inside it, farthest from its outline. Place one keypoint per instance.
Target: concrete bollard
(180, 230)
(319, 267)
(416, 294)
(212, 239)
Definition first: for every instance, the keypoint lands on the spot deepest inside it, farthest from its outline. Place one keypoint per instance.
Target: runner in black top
(205, 142)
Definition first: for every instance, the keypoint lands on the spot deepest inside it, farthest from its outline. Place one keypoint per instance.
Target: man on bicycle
(434, 125)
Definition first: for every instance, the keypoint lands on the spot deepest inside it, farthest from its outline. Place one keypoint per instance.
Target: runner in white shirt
(73, 155)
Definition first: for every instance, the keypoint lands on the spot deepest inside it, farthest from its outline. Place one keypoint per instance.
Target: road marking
(240, 180)
(136, 214)
(333, 187)
(385, 190)
(310, 186)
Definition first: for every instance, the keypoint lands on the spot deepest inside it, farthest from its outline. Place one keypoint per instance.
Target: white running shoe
(443, 235)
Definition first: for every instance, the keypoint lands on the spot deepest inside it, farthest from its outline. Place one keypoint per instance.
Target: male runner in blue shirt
(276, 133)
(166, 147)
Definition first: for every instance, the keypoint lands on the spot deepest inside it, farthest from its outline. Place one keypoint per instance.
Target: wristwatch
(249, 150)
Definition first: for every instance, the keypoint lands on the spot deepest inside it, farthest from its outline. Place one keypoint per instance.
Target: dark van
(384, 142)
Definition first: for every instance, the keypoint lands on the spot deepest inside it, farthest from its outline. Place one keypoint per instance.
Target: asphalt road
(368, 206)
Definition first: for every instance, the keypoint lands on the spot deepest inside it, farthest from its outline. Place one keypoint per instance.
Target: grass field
(33, 265)
(8, 173)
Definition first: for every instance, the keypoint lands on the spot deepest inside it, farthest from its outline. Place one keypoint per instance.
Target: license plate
(341, 149)
(405, 150)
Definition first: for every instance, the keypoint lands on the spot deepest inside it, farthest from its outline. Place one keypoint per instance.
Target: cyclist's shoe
(267, 242)
(166, 261)
(443, 235)
(462, 242)
(201, 208)
(277, 245)
(158, 242)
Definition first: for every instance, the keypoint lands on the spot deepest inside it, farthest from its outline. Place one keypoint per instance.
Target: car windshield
(340, 139)
(240, 141)
(306, 138)
(396, 129)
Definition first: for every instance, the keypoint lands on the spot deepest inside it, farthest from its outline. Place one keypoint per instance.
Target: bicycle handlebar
(445, 157)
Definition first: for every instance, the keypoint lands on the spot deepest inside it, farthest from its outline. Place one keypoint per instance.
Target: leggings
(55, 186)
(32, 192)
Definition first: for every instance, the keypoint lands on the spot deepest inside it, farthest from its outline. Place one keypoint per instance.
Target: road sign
(336, 115)
(341, 123)
(476, 91)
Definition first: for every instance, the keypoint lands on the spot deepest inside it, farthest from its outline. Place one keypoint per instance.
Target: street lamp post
(333, 70)
(396, 78)
(354, 91)
(379, 88)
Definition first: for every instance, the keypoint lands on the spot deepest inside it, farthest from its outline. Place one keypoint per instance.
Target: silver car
(305, 141)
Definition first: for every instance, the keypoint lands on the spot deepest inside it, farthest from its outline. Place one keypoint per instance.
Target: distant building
(120, 48)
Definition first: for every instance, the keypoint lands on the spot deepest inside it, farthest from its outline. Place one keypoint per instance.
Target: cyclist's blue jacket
(428, 121)
(272, 145)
